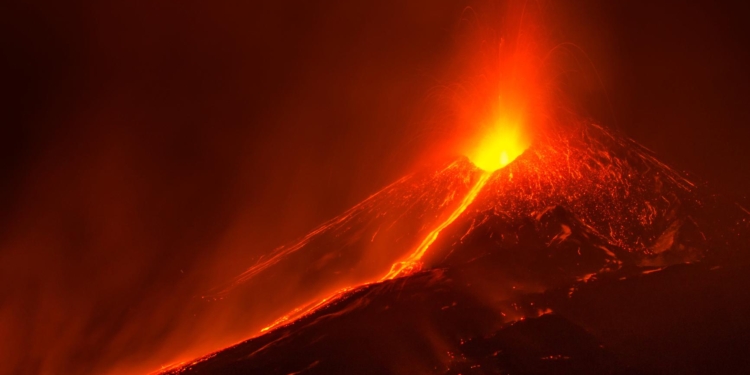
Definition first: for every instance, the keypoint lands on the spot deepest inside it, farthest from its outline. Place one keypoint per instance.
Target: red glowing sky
(151, 149)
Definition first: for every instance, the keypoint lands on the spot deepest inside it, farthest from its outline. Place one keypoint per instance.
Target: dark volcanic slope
(586, 255)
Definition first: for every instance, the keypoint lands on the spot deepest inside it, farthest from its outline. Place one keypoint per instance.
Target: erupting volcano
(551, 245)
(454, 186)
(524, 269)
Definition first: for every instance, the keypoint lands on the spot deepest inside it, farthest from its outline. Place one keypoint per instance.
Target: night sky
(150, 149)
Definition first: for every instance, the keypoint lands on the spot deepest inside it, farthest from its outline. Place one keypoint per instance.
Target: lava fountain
(501, 109)
(497, 150)
(492, 117)
(525, 238)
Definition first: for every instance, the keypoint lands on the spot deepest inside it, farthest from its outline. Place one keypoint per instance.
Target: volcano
(584, 255)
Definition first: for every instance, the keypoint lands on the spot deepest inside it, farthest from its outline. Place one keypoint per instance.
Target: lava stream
(413, 261)
(410, 264)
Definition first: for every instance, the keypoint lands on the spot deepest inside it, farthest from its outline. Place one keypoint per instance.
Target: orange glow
(502, 99)
(412, 263)
(494, 107)
(305, 310)
(498, 147)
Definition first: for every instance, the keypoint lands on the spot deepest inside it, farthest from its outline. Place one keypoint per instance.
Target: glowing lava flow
(412, 263)
(409, 265)
(496, 150)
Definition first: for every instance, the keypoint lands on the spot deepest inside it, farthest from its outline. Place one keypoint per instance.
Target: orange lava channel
(404, 267)
(412, 263)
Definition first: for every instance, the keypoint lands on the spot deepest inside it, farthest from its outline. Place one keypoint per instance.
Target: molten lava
(496, 150)
(388, 235)
(412, 263)
(402, 268)
(498, 147)
(515, 256)
(581, 203)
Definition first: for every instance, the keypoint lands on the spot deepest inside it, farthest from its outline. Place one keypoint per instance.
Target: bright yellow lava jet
(498, 147)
